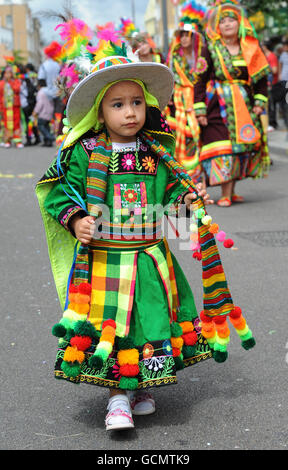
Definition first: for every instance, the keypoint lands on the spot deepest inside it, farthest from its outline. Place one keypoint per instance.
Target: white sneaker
(119, 414)
(142, 403)
(270, 129)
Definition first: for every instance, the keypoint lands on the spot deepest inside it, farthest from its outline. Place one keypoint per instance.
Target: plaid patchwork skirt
(139, 288)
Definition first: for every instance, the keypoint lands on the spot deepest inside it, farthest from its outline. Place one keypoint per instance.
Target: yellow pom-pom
(73, 354)
(186, 326)
(128, 356)
(206, 220)
(177, 342)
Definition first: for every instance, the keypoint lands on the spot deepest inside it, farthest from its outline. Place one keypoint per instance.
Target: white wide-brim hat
(157, 78)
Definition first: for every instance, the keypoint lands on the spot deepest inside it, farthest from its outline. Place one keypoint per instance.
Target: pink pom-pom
(221, 236)
(195, 246)
(228, 243)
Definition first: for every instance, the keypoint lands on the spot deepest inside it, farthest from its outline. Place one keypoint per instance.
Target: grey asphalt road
(240, 404)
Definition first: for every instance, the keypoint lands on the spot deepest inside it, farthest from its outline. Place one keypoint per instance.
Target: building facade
(19, 32)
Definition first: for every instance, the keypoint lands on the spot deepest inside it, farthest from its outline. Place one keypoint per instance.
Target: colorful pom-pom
(214, 228)
(109, 323)
(221, 236)
(84, 288)
(176, 329)
(195, 246)
(59, 330)
(128, 356)
(197, 255)
(128, 383)
(187, 326)
(206, 220)
(72, 354)
(176, 352)
(177, 342)
(220, 319)
(184, 314)
(129, 370)
(126, 343)
(205, 318)
(71, 370)
(96, 362)
(190, 338)
(236, 312)
(81, 342)
(188, 351)
(228, 243)
(85, 328)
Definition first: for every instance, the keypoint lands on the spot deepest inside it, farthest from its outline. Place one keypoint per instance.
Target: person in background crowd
(28, 101)
(49, 71)
(10, 108)
(234, 145)
(272, 81)
(44, 112)
(283, 78)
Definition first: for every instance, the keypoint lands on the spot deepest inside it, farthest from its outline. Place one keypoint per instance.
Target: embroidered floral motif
(148, 351)
(149, 164)
(201, 65)
(130, 195)
(128, 161)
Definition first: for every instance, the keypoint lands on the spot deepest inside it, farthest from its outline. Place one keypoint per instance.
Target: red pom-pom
(228, 243)
(85, 288)
(109, 322)
(190, 338)
(129, 370)
(219, 320)
(73, 289)
(236, 313)
(176, 352)
(81, 342)
(205, 318)
(197, 255)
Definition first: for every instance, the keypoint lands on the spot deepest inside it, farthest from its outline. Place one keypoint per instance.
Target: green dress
(143, 282)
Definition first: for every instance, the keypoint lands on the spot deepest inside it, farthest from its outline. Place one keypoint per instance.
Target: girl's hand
(258, 110)
(202, 120)
(83, 228)
(190, 197)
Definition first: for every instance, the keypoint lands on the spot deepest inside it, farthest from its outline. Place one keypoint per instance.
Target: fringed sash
(216, 296)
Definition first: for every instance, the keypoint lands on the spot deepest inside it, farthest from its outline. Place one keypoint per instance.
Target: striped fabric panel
(113, 284)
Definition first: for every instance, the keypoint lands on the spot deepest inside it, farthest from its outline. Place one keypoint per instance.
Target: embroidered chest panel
(136, 161)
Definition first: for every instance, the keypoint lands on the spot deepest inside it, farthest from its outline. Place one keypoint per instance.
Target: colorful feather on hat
(107, 32)
(127, 28)
(193, 11)
(54, 50)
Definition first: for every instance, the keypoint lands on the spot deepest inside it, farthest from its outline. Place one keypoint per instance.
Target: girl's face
(144, 48)
(8, 75)
(186, 39)
(123, 110)
(229, 27)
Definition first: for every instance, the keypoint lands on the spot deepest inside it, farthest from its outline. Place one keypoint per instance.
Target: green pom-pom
(176, 330)
(126, 343)
(184, 314)
(59, 330)
(249, 343)
(188, 351)
(220, 356)
(128, 383)
(85, 328)
(71, 369)
(179, 362)
(96, 362)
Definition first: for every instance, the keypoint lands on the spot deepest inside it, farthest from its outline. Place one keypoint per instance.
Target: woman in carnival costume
(141, 42)
(229, 99)
(129, 318)
(183, 59)
(10, 106)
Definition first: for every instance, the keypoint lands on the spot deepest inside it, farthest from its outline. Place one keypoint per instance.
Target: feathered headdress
(192, 16)
(54, 51)
(107, 32)
(127, 29)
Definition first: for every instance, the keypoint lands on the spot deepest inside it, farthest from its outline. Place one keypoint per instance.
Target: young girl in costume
(129, 318)
(229, 98)
(183, 61)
